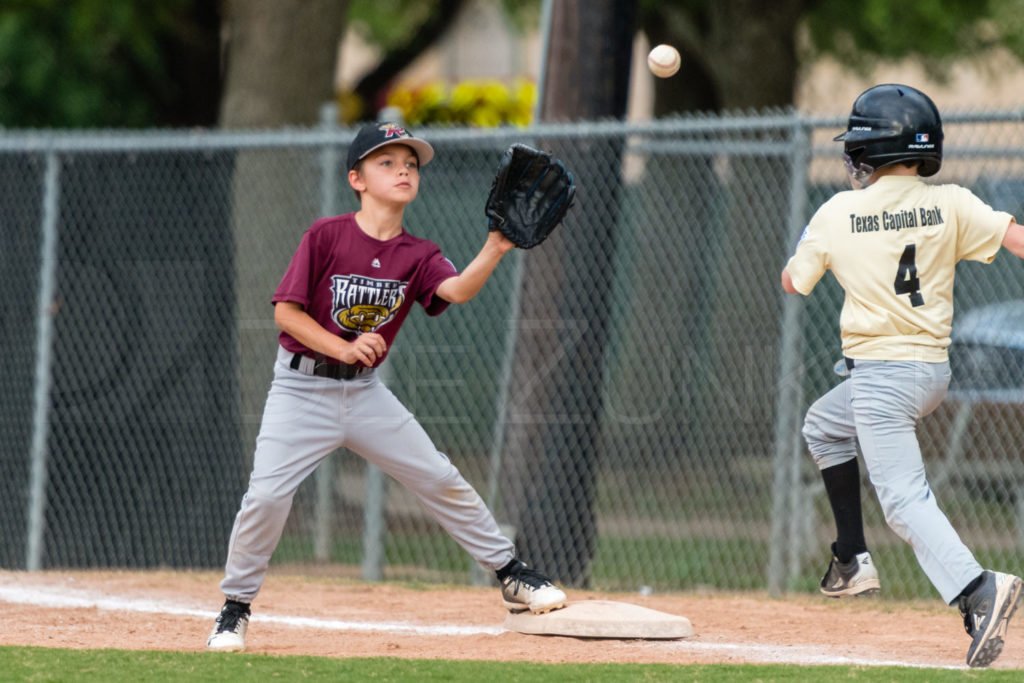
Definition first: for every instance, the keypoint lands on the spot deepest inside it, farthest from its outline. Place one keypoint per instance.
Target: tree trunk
(736, 54)
(693, 89)
(280, 58)
(190, 93)
(372, 87)
(755, 62)
(555, 406)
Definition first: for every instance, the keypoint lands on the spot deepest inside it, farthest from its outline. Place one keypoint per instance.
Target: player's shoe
(854, 578)
(986, 613)
(527, 589)
(229, 629)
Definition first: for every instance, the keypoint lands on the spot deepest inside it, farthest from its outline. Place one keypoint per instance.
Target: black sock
(969, 588)
(507, 569)
(244, 606)
(842, 484)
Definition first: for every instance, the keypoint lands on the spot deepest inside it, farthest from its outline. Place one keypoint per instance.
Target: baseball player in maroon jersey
(893, 243)
(349, 287)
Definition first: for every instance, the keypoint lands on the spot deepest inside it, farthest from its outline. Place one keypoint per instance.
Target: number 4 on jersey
(907, 281)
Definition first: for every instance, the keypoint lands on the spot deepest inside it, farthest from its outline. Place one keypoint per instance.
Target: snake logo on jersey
(362, 304)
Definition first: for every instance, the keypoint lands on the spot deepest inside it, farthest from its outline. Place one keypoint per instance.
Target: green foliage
(1008, 19)
(522, 13)
(388, 23)
(82, 64)
(391, 23)
(95, 63)
(860, 32)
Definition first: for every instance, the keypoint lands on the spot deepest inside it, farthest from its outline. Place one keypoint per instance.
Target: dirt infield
(163, 610)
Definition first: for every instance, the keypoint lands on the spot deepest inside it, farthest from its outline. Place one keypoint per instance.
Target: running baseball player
(893, 243)
(349, 287)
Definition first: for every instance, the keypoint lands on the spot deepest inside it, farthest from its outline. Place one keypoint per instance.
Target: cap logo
(921, 137)
(392, 130)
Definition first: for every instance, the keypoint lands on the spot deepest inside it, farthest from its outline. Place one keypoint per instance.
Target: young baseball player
(893, 243)
(349, 287)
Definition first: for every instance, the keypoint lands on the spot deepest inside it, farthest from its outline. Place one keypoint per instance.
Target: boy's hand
(365, 349)
(500, 242)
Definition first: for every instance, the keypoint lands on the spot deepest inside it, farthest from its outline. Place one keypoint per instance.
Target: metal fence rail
(138, 268)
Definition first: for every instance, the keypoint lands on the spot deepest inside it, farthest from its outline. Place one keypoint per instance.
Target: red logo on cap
(393, 130)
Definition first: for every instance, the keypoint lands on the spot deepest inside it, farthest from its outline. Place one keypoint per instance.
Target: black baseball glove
(529, 196)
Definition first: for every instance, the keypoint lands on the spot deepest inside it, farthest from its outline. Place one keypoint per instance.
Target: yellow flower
(485, 117)
(484, 103)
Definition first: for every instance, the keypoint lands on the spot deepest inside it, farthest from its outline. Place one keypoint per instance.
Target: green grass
(678, 563)
(115, 666)
(433, 550)
(666, 564)
(669, 564)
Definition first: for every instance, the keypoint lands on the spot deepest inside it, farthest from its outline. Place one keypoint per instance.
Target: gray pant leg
(300, 428)
(382, 430)
(830, 429)
(888, 398)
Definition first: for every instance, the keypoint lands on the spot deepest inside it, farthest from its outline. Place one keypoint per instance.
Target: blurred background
(627, 397)
(231, 63)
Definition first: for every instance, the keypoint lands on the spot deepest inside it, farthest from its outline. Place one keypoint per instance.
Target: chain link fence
(627, 397)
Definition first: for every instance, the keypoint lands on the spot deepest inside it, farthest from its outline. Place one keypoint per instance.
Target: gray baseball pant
(306, 418)
(878, 407)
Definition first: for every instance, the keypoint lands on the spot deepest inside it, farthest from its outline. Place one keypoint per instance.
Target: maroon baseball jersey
(351, 283)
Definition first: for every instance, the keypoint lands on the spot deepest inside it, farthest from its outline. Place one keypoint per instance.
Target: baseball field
(310, 623)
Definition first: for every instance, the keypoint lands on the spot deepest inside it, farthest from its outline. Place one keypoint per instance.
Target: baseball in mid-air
(663, 61)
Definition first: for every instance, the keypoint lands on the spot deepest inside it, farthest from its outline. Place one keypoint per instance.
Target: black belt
(331, 370)
(849, 363)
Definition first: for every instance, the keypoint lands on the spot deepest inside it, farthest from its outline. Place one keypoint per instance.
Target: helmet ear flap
(929, 167)
(854, 153)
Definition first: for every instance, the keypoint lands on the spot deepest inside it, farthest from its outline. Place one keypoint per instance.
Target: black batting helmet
(891, 124)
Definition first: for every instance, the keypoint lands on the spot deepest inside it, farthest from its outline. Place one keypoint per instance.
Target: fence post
(789, 385)
(44, 360)
(325, 472)
(374, 515)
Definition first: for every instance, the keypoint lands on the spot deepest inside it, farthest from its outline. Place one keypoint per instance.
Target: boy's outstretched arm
(787, 283)
(464, 286)
(1014, 239)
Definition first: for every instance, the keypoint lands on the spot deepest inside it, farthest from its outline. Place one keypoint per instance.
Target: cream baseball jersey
(893, 247)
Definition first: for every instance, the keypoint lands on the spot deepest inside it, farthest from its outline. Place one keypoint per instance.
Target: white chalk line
(62, 597)
(67, 597)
